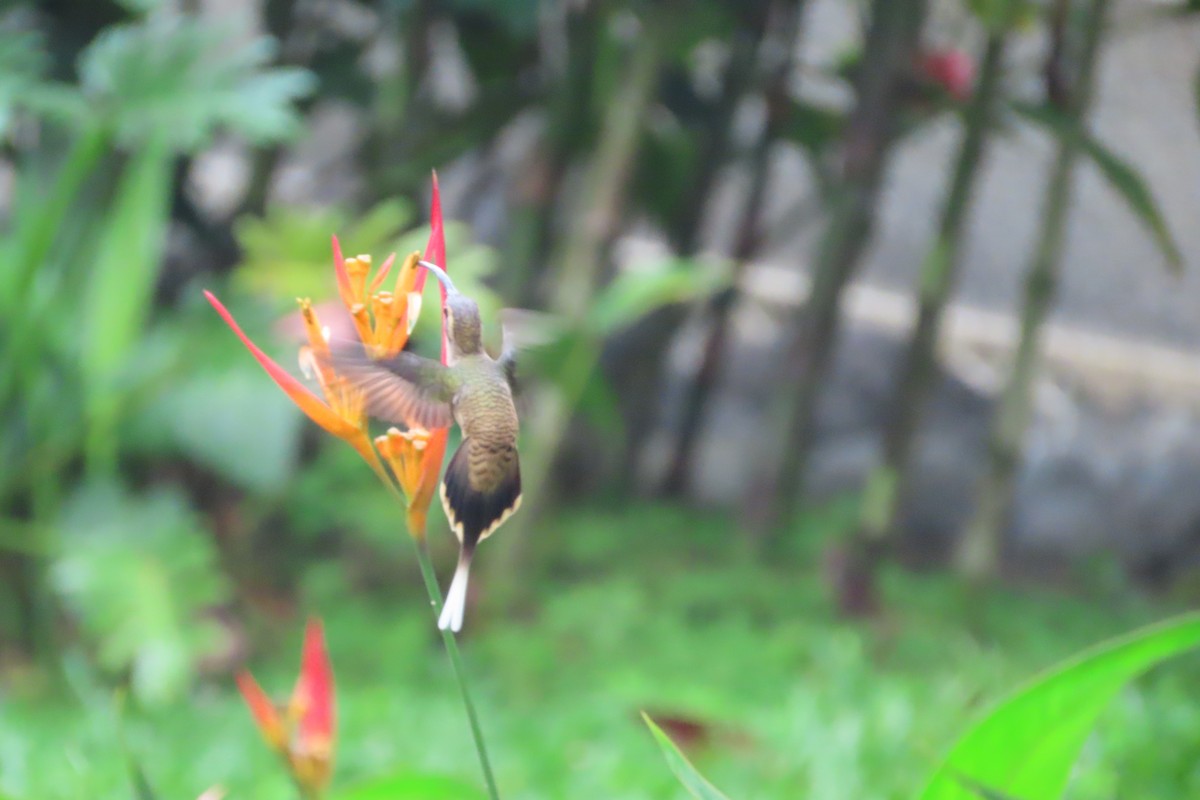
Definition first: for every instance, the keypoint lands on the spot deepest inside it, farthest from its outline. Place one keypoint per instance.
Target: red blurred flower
(951, 69)
(304, 731)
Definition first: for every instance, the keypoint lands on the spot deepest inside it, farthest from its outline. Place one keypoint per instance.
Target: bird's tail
(456, 598)
(474, 514)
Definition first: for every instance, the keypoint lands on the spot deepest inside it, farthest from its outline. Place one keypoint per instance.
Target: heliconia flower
(312, 706)
(383, 321)
(340, 417)
(303, 732)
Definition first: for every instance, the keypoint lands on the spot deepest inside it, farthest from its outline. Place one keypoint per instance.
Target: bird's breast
(488, 420)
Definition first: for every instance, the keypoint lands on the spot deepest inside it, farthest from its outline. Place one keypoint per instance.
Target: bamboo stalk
(582, 256)
(744, 54)
(532, 232)
(889, 50)
(979, 551)
(749, 239)
(885, 486)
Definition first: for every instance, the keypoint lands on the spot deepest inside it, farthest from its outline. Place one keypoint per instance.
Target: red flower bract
(304, 731)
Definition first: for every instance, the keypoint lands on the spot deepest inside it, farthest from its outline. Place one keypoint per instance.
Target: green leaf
(183, 78)
(814, 127)
(138, 574)
(1026, 745)
(1129, 184)
(142, 790)
(979, 790)
(1123, 178)
(692, 780)
(121, 287)
(637, 292)
(999, 16)
(22, 60)
(236, 422)
(287, 251)
(413, 786)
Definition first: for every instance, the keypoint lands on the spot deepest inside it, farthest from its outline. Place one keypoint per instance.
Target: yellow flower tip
(357, 269)
(383, 307)
(405, 454)
(318, 335)
(407, 278)
(415, 437)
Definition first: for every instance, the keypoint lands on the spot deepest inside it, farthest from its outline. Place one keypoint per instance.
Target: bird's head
(462, 317)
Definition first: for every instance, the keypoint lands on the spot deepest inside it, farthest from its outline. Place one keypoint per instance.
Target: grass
(645, 608)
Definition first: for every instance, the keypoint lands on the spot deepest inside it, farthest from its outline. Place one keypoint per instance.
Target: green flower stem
(460, 672)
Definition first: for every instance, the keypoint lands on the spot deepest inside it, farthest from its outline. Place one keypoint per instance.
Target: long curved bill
(440, 274)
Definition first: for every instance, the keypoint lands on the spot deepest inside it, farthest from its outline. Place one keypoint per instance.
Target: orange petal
(431, 467)
(339, 270)
(362, 323)
(266, 716)
(383, 272)
(357, 269)
(406, 280)
(312, 329)
(300, 394)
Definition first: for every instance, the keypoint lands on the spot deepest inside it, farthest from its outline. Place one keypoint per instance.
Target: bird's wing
(524, 330)
(406, 388)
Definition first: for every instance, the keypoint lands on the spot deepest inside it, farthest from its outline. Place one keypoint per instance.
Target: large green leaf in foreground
(1026, 745)
(692, 780)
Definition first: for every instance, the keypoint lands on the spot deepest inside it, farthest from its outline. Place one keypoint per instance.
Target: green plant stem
(460, 672)
(885, 486)
(979, 550)
(421, 543)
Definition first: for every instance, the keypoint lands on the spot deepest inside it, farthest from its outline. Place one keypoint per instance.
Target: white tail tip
(456, 599)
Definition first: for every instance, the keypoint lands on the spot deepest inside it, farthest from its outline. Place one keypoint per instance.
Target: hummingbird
(481, 487)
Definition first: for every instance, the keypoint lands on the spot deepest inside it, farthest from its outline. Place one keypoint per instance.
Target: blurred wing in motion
(408, 388)
(525, 330)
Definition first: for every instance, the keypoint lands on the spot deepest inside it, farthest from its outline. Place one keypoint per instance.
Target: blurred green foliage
(82, 355)
(139, 574)
(165, 512)
(797, 704)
